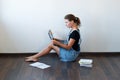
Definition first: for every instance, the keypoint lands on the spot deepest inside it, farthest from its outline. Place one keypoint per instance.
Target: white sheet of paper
(40, 65)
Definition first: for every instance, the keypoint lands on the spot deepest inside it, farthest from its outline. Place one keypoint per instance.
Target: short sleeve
(75, 35)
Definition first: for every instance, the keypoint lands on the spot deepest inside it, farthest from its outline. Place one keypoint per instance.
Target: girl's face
(68, 23)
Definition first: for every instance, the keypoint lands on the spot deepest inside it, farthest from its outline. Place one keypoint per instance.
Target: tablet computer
(50, 34)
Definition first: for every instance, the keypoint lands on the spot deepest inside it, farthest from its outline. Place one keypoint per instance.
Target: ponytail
(77, 21)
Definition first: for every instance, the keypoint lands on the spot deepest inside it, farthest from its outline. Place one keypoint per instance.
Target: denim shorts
(68, 55)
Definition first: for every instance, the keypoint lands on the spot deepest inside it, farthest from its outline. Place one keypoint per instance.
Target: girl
(69, 49)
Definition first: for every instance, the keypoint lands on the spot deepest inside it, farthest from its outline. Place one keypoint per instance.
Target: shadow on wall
(6, 43)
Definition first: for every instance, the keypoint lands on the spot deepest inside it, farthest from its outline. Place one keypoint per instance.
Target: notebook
(85, 61)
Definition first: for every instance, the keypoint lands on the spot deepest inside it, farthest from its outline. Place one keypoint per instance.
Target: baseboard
(81, 53)
(100, 53)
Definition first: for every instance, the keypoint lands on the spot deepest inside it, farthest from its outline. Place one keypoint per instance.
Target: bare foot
(31, 59)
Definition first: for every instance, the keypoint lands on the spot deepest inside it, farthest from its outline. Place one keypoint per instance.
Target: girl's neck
(75, 28)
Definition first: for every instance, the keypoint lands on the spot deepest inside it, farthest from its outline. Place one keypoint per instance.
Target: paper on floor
(40, 65)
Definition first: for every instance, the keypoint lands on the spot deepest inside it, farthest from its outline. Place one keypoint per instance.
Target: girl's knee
(50, 45)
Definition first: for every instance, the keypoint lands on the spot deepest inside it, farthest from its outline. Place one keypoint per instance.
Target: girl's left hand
(55, 42)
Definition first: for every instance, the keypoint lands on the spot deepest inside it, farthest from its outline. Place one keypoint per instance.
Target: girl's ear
(72, 21)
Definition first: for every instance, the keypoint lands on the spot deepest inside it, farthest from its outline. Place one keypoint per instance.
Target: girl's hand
(56, 39)
(55, 42)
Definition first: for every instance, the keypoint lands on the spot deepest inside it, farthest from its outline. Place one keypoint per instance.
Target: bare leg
(43, 52)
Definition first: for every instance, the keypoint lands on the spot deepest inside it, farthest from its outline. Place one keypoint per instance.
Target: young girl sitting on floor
(69, 49)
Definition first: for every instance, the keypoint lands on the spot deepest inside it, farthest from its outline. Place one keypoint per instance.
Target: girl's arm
(66, 46)
(58, 39)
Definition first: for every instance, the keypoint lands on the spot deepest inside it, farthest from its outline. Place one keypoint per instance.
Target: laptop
(50, 34)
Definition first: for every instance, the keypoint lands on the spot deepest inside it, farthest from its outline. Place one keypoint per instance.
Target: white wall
(24, 24)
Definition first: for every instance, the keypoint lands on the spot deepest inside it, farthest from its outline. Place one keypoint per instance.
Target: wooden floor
(105, 67)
